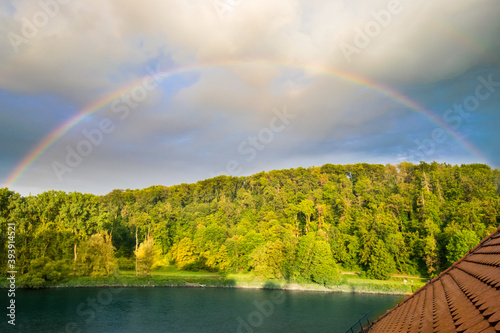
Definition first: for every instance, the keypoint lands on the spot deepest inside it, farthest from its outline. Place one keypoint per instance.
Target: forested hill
(299, 224)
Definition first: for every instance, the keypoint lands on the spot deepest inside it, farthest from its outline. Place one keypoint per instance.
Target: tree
(430, 255)
(97, 256)
(76, 212)
(185, 254)
(323, 268)
(218, 260)
(145, 256)
(303, 258)
(275, 255)
(380, 264)
(459, 244)
(408, 218)
(306, 207)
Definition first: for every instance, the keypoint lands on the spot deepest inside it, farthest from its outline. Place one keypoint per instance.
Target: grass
(384, 286)
(171, 276)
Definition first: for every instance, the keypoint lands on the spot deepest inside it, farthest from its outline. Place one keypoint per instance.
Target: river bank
(350, 283)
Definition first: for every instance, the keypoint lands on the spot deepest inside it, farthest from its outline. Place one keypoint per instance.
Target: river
(120, 310)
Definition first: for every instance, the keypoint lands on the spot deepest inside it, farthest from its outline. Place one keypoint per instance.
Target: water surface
(119, 310)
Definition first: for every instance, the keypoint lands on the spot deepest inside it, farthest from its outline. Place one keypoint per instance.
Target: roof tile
(464, 298)
(490, 249)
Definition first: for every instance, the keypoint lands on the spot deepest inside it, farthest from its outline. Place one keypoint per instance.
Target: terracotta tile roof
(464, 298)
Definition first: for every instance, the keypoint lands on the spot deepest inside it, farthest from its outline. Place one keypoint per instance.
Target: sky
(98, 95)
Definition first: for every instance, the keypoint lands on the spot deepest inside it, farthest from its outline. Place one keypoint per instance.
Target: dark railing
(358, 326)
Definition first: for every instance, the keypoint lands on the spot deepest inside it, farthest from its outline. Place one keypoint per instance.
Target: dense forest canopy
(298, 224)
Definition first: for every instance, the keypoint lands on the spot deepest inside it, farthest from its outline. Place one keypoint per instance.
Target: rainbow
(58, 132)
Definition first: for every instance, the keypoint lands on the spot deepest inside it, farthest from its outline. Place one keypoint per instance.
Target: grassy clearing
(170, 276)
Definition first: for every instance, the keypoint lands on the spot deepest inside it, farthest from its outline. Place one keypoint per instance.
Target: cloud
(86, 43)
(256, 59)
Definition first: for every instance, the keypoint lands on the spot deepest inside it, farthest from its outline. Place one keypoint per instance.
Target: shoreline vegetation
(293, 229)
(351, 282)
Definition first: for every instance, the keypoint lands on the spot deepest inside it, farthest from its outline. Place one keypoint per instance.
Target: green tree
(97, 256)
(323, 268)
(43, 271)
(376, 218)
(302, 263)
(145, 256)
(218, 260)
(380, 264)
(306, 207)
(461, 242)
(185, 255)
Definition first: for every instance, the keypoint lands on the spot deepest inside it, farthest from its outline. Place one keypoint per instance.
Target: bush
(43, 270)
(33, 281)
(57, 271)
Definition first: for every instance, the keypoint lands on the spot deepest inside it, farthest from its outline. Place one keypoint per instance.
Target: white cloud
(86, 43)
(260, 56)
